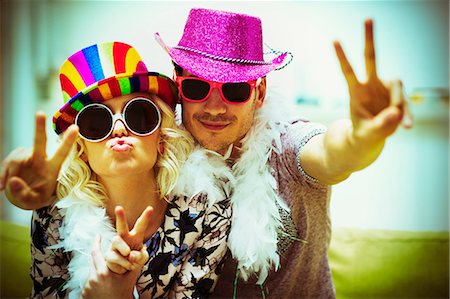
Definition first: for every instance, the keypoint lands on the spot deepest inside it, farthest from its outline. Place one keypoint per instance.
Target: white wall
(407, 188)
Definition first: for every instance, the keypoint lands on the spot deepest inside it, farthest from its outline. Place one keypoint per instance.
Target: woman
(128, 157)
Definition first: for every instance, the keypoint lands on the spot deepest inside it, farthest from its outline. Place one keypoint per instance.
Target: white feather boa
(256, 220)
(81, 223)
(204, 172)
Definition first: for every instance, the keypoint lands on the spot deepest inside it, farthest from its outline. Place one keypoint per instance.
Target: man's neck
(234, 156)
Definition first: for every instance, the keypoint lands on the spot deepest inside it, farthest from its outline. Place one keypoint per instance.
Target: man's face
(216, 124)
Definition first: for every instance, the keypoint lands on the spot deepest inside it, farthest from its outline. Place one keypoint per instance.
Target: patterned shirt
(184, 252)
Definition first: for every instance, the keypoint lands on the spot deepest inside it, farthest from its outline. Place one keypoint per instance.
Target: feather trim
(205, 172)
(82, 222)
(256, 220)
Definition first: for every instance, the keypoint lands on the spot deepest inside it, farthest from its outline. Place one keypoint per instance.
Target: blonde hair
(178, 144)
(78, 181)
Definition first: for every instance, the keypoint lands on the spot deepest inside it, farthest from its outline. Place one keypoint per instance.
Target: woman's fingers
(116, 268)
(9, 169)
(40, 137)
(117, 263)
(97, 256)
(121, 222)
(139, 258)
(19, 193)
(142, 223)
(120, 246)
(63, 150)
(13, 164)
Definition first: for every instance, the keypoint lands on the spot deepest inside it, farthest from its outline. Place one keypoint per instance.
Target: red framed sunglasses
(197, 90)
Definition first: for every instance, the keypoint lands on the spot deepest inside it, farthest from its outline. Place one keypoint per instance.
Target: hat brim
(106, 89)
(219, 70)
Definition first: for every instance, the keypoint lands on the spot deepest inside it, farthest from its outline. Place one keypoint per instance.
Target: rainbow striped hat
(104, 71)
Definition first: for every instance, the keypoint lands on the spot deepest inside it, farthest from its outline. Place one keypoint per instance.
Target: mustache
(211, 118)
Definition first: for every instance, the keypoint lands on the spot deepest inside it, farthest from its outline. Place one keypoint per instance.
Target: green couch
(365, 263)
(390, 264)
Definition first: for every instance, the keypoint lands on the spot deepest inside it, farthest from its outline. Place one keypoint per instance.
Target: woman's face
(123, 153)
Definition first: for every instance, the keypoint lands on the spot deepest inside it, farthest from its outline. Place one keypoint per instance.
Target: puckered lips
(121, 144)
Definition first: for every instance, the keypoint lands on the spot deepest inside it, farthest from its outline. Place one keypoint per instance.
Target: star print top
(185, 251)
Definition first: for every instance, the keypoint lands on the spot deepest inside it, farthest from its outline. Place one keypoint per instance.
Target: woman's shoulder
(48, 216)
(45, 227)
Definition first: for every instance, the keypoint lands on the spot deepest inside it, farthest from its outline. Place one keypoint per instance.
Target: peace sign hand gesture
(127, 248)
(376, 109)
(116, 273)
(29, 176)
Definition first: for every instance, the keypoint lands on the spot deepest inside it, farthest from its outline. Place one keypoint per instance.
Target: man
(275, 165)
(281, 228)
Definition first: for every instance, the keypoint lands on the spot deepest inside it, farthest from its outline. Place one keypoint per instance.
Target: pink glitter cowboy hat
(223, 46)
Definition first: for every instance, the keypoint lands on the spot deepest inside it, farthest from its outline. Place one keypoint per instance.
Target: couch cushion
(389, 264)
(14, 260)
(365, 263)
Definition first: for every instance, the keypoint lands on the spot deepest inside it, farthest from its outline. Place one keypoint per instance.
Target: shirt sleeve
(48, 263)
(200, 270)
(297, 135)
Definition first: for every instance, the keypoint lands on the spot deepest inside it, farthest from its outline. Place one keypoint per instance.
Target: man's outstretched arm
(376, 110)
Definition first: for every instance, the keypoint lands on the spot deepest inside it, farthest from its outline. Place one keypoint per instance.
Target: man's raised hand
(376, 108)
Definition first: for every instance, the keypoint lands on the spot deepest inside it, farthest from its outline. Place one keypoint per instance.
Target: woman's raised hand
(103, 282)
(127, 248)
(114, 275)
(28, 176)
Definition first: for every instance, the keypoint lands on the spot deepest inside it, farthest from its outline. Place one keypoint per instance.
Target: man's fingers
(347, 69)
(142, 223)
(121, 222)
(67, 142)
(386, 122)
(40, 137)
(396, 93)
(369, 51)
(397, 98)
(407, 115)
